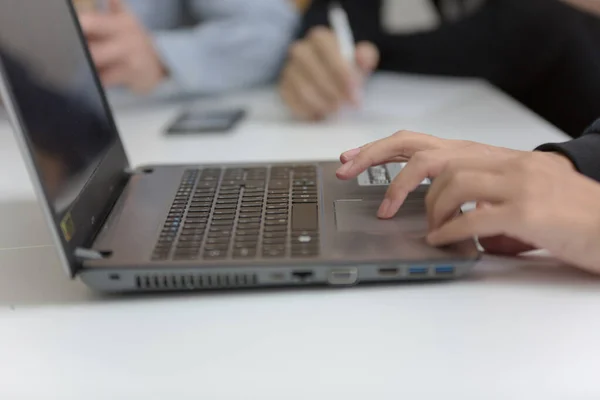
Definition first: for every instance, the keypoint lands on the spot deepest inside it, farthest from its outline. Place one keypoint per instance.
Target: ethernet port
(302, 276)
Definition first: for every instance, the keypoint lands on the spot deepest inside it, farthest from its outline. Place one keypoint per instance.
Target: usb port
(444, 270)
(416, 271)
(388, 271)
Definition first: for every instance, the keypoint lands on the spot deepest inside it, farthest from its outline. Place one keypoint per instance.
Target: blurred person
(544, 53)
(547, 199)
(188, 46)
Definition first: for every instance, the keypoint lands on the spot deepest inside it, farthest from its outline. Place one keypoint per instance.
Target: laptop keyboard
(379, 175)
(242, 213)
(383, 175)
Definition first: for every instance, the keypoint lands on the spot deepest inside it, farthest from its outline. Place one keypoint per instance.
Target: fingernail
(350, 154)
(384, 209)
(345, 169)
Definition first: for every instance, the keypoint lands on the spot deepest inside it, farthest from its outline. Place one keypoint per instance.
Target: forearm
(231, 52)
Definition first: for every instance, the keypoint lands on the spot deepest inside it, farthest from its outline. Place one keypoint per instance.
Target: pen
(338, 19)
(340, 25)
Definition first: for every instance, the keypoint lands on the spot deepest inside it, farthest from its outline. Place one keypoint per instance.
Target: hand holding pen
(326, 69)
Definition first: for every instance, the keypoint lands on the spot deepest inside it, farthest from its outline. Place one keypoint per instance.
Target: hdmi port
(343, 276)
(388, 271)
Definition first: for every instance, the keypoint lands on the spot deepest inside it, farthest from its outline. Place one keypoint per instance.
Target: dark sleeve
(363, 16)
(584, 152)
(316, 15)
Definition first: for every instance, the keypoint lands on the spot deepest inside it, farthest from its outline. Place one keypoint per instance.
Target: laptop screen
(61, 108)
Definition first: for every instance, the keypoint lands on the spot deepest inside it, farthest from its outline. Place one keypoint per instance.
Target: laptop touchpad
(361, 216)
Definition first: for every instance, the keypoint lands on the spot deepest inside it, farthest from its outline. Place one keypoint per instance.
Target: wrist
(562, 160)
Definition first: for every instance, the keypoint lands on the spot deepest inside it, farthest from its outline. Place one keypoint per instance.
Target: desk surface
(512, 329)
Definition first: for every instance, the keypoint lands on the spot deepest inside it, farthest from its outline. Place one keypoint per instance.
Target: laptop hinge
(88, 254)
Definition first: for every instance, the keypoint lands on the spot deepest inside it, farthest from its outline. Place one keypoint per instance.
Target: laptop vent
(194, 282)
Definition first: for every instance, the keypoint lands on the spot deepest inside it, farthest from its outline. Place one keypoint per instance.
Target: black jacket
(584, 152)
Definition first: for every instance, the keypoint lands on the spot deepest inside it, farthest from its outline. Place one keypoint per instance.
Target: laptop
(190, 227)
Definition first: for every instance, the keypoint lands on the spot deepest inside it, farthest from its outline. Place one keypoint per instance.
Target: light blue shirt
(212, 46)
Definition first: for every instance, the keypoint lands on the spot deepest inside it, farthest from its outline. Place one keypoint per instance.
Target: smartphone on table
(195, 121)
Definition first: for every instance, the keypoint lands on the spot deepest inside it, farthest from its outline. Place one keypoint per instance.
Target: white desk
(511, 330)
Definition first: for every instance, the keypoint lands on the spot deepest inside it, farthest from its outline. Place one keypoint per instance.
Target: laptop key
(206, 184)
(279, 234)
(281, 221)
(215, 254)
(216, 246)
(244, 253)
(220, 230)
(249, 190)
(218, 240)
(305, 201)
(276, 228)
(200, 206)
(249, 226)
(304, 253)
(277, 211)
(250, 215)
(246, 239)
(252, 198)
(255, 184)
(225, 206)
(218, 217)
(244, 221)
(227, 201)
(275, 240)
(228, 196)
(214, 235)
(224, 212)
(305, 217)
(189, 245)
(250, 209)
(246, 204)
(222, 223)
(273, 252)
(275, 217)
(247, 232)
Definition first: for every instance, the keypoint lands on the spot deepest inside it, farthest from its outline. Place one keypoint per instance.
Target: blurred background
(543, 53)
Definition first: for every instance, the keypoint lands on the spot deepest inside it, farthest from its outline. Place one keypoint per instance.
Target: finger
(315, 71)
(402, 144)
(367, 57)
(326, 46)
(108, 52)
(96, 25)
(114, 76)
(492, 221)
(294, 103)
(311, 100)
(351, 155)
(456, 187)
(457, 175)
(452, 174)
(504, 245)
(422, 165)
(116, 6)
